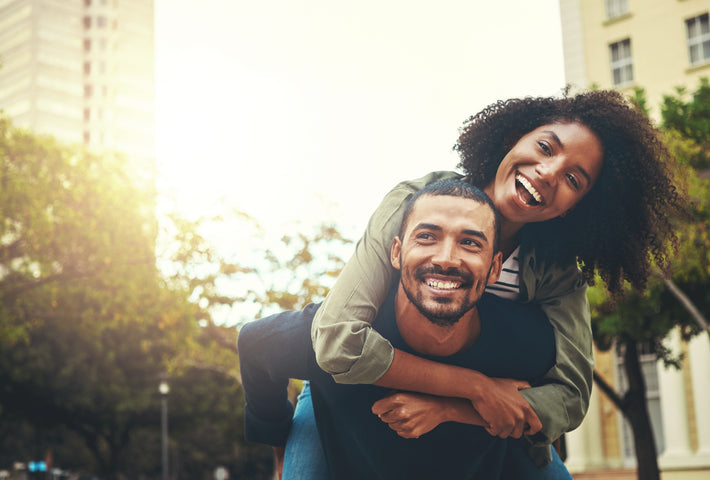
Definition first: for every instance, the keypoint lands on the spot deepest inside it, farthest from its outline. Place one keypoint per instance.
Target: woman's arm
(561, 399)
(412, 415)
(348, 348)
(345, 344)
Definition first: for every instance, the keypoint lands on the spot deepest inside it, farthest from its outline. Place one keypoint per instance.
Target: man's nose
(445, 255)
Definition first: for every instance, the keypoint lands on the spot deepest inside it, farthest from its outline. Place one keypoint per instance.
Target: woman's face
(546, 173)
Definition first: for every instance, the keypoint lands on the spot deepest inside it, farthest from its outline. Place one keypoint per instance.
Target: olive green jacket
(349, 349)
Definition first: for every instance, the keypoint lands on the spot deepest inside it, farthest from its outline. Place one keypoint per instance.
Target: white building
(81, 70)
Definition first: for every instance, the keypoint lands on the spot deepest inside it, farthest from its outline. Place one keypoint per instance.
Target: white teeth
(528, 186)
(443, 285)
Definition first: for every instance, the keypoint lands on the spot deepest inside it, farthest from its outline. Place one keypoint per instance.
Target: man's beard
(442, 317)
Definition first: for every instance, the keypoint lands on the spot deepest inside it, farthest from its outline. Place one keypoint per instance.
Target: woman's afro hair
(624, 224)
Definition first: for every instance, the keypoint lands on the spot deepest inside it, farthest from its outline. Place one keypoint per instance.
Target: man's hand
(279, 460)
(504, 409)
(411, 415)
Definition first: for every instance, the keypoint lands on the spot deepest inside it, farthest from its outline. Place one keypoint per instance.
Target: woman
(577, 179)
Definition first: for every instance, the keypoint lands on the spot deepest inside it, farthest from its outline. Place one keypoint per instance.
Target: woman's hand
(505, 411)
(411, 415)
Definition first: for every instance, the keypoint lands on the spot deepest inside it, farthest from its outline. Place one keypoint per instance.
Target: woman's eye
(573, 181)
(545, 148)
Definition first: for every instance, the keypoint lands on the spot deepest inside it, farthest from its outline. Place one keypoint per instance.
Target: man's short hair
(454, 188)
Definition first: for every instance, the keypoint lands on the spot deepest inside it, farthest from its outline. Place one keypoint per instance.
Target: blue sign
(37, 467)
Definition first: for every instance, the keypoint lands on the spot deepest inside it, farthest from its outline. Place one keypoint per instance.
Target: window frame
(700, 40)
(621, 64)
(616, 8)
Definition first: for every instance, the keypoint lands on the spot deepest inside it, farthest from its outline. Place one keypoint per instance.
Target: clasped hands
(497, 406)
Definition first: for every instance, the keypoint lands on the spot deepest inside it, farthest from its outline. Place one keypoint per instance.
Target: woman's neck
(508, 236)
(508, 230)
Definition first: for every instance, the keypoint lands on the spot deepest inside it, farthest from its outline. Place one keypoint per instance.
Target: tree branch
(608, 391)
(687, 304)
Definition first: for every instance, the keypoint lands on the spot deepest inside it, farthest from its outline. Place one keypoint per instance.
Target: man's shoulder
(491, 306)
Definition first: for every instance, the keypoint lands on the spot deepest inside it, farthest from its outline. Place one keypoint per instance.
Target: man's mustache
(466, 277)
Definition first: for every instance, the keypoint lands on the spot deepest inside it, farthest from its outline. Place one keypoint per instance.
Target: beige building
(657, 45)
(622, 44)
(81, 70)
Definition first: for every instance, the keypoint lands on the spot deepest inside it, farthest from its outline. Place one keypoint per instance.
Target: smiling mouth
(528, 193)
(442, 284)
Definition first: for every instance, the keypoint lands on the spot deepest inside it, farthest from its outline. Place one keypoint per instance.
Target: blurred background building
(622, 44)
(82, 71)
(657, 45)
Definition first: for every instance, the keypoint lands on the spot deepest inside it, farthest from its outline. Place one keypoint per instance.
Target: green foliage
(88, 323)
(689, 115)
(648, 316)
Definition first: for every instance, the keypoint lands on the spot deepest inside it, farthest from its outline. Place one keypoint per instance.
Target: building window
(87, 45)
(622, 71)
(616, 8)
(698, 39)
(87, 68)
(87, 22)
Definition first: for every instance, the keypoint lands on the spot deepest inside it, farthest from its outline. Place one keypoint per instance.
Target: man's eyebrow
(427, 226)
(437, 228)
(476, 233)
(557, 140)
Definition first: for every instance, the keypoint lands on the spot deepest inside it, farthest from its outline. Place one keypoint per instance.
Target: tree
(646, 318)
(88, 323)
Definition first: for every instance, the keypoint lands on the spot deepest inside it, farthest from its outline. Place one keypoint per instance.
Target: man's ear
(496, 268)
(395, 252)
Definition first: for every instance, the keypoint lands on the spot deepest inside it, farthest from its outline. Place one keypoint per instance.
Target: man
(446, 253)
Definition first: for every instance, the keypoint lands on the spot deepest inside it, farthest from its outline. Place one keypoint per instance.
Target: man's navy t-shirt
(516, 341)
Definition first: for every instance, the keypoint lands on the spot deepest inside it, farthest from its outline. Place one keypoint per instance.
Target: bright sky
(313, 109)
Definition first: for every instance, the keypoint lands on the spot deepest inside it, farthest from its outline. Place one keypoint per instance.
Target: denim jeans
(304, 458)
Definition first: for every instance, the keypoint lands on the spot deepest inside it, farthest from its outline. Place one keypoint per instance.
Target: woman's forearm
(498, 401)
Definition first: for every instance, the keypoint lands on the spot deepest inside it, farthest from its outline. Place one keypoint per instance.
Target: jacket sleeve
(562, 398)
(271, 351)
(346, 345)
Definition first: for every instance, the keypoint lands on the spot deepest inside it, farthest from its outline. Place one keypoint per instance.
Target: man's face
(446, 256)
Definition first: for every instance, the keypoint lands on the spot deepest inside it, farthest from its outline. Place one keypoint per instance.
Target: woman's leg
(518, 464)
(304, 459)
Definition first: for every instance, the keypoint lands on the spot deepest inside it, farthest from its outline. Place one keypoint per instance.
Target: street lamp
(164, 390)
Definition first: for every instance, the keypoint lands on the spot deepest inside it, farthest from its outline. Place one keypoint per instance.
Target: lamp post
(164, 390)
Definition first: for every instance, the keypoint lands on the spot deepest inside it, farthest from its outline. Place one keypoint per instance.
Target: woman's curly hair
(624, 224)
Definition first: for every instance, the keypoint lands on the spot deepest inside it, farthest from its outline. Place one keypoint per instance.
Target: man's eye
(470, 243)
(425, 236)
(573, 180)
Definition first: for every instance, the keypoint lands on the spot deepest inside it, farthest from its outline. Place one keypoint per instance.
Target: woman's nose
(548, 171)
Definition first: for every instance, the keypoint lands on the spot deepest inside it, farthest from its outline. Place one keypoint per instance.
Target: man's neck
(426, 337)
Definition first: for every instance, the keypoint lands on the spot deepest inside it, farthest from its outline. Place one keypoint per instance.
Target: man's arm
(272, 350)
